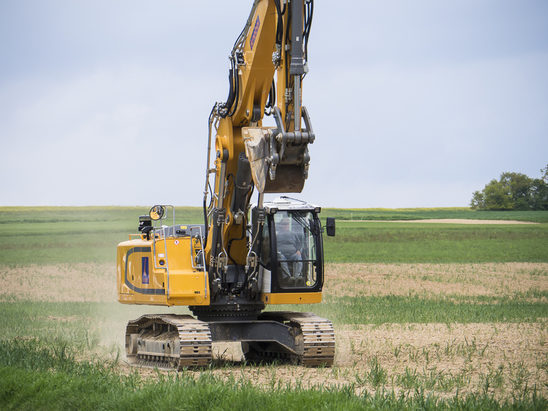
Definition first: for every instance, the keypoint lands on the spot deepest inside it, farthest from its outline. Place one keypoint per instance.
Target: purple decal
(254, 34)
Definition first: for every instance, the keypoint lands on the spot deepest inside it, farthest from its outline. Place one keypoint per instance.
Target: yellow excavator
(242, 258)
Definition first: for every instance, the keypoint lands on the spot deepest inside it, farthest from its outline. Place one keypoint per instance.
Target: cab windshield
(296, 248)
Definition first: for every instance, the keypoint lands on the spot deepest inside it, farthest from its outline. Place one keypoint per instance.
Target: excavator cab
(291, 255)
(294, 242)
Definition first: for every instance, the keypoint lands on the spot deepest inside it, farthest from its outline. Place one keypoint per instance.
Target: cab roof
(287, 204)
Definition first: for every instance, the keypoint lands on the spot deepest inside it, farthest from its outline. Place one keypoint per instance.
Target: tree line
(513, 191)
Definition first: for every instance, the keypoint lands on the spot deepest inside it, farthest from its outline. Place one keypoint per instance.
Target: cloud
(450, 126)
(115, 136)
(412, 104)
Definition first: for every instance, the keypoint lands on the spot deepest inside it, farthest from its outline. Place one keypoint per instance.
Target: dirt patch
(62, 282)
(448, 221)
(97, 282)
(450, 355)
(529, 280)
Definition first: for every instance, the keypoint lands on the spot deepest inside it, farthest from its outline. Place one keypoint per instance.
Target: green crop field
(427, 315)
(387, 214)
(87, 234)
(444, 243)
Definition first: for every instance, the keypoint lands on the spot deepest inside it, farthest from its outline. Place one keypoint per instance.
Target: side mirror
(157, 212)
(330, 226)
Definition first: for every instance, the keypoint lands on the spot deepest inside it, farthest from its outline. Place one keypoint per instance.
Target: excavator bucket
(274, 169)
(279, 160)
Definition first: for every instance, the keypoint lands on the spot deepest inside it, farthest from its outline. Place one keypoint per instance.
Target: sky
(413, 103)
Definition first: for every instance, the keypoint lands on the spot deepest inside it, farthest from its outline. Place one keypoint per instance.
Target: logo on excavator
(254, 34)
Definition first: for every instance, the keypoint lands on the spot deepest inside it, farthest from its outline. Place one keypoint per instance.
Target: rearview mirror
(330, 226)
(157, 212)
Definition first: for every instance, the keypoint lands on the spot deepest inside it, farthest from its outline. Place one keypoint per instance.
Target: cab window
(296, 249)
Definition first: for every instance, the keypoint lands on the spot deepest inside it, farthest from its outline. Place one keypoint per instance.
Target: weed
(376, 375)
(409, 379)
(448, 382)
(426, 355)
(352, 347)
(494, 379)
(519, 377)
(431, 378)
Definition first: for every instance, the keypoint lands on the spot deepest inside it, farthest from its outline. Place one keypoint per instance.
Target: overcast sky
(414, 103)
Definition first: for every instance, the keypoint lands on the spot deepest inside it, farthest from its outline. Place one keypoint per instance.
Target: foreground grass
(84, 322)
(85, 325)
(397, 309)
(36, 375)
(410, 309)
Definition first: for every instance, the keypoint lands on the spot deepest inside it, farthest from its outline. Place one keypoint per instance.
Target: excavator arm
(268, 64)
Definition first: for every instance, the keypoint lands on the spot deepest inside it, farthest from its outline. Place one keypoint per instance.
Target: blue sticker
(144, 270)
(254, 34)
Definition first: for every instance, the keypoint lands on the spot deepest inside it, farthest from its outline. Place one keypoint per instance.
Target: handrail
(196, 266)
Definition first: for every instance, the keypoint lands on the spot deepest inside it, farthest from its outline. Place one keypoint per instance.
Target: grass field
(46, 235)
(391, 214)
(427, 315)
(389, 242)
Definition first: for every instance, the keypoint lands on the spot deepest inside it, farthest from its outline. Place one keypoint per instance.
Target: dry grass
(84, 282)
(454, 221)
(88, 282)
(486, 279)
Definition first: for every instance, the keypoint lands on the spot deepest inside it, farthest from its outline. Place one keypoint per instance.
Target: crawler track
(319, 340)
(168, 341)
(180, 341)
(314, 340)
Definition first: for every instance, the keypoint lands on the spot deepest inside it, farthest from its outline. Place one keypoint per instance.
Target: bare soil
(498, 358)
(451, 221)
(84, 282)
(88, 282)
(488, 279)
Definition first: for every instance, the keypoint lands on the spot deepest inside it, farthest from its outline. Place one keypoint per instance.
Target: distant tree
(517, 186)
(539, 194)
(539, 191)
(513, 191)
(496, 195)
(478, 200)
